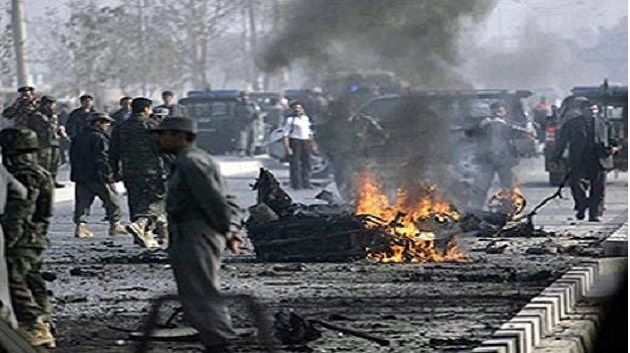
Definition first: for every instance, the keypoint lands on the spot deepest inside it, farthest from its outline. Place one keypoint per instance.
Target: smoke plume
(416, 39)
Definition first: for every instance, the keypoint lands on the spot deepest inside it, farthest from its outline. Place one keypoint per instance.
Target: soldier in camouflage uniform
(46, 125)
(134, 154)
(25, 223)
(11, 191)
(23, 106)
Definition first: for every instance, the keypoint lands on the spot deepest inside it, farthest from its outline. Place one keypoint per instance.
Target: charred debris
(284, 231)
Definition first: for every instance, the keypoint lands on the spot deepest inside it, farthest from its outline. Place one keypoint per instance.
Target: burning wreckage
(419, 226)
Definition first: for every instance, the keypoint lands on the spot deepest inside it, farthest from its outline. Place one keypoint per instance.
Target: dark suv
(214, 112)
(613, 103)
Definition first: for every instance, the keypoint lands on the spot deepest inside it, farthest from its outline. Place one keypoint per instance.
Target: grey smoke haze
(416, 39)
(539, 59)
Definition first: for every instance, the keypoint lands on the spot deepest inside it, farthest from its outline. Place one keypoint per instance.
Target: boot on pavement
(117, 228)
(38, 335)
(82, 231)
(141, 235)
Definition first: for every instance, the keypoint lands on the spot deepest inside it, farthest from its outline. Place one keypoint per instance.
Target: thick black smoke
(416, 39)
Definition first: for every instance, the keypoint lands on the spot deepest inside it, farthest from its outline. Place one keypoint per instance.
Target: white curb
(545, 312)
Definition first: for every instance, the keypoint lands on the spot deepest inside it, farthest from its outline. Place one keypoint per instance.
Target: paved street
(104, 283)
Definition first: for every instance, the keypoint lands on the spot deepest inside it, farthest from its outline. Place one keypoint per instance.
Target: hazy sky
(504, 30)
(564, 17)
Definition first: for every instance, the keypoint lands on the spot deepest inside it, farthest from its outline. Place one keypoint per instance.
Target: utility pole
(143, 49)
(253, 44)
(19, 42)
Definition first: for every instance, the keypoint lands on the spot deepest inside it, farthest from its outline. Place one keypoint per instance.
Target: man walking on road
(203, 220)
(136, 156)
(78, 118)
(93, 174)
(591, 150)
(495, 154)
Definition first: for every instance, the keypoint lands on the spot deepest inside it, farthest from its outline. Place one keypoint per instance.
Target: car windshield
(208, 109)
(615, 112)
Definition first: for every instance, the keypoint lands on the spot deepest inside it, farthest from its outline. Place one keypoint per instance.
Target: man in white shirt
(299, 143)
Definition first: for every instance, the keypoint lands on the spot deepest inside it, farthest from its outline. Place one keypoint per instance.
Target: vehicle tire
(555, 179)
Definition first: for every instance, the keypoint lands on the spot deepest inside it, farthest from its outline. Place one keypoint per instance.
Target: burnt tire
(555, 179)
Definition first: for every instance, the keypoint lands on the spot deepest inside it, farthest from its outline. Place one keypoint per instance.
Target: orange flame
(508, 201)
(411, 242)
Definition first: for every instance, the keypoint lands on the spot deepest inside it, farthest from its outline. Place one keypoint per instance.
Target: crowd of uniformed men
(147, 149)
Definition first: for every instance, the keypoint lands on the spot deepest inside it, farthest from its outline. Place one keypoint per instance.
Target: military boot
(38, 335)
(82, 231)
(161, 230)
(141, 235)
(116, 228)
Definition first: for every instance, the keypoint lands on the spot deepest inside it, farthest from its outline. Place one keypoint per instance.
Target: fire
(510, 202)
(412, 220)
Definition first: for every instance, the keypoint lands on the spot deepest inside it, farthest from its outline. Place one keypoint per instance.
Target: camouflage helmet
(13, 140)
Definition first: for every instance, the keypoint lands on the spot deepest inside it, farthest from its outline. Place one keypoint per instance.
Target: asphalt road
(103, 283)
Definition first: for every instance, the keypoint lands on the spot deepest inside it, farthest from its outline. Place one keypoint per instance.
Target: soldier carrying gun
(24, 105)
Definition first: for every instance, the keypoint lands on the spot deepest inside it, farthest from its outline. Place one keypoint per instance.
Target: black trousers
(300, 164)
(591, 181)
(84, 194)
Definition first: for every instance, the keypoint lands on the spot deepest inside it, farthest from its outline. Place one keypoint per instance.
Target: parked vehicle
(215, 114)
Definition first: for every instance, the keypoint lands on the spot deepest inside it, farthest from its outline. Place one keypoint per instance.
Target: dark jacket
(77, 121)
(121, 115)
(495, 141)
(574, 133)
(89, 157)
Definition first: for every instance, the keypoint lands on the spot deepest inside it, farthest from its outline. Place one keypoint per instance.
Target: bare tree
(159, 44)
